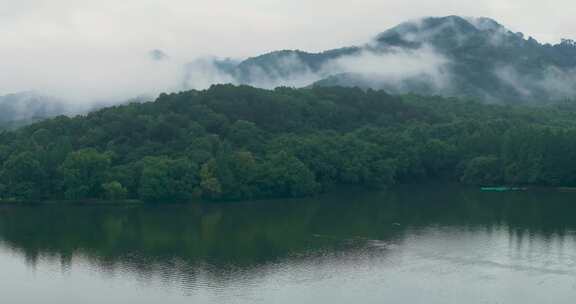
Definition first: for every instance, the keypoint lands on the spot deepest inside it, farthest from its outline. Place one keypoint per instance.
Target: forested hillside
(450, 56)
(238, 142)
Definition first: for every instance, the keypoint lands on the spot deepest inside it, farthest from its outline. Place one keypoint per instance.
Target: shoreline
(77, 203)
(136, 202)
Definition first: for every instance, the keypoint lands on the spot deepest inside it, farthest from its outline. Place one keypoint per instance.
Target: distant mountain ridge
(451, 56)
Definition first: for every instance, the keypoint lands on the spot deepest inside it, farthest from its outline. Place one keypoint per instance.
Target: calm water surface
(411, 245)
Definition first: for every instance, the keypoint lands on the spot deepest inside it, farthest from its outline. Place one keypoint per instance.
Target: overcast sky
(100, 48)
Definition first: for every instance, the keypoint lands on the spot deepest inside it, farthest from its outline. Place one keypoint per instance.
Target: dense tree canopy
(238, 142)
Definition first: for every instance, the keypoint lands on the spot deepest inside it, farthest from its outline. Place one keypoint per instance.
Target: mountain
(450, 56)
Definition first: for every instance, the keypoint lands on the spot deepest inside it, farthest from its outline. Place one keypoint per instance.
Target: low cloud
(92, 76)
(287, 70)
(389, 69)
(204, 72)
(395, 66)
(552, 83)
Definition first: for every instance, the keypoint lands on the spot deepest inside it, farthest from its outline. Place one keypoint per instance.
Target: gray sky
(100, 48)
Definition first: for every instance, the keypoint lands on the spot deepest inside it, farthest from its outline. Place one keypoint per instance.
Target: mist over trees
(450, 56)
(238, 142)
(28, 107)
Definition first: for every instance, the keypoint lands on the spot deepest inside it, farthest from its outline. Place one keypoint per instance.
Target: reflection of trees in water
(244, 241)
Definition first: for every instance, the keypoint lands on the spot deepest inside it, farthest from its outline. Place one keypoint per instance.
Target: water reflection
(232, 248)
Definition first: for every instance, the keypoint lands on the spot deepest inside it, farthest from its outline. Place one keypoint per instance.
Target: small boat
(503, 189)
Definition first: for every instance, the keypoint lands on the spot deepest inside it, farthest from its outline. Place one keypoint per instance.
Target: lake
(418, 244)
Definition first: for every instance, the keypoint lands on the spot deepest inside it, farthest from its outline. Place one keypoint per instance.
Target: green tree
(114, 191)
(23, 177)
(209, 183)
(166, 180)
(286, 175)
(84, 172)
(246, 134)
(483, 170)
